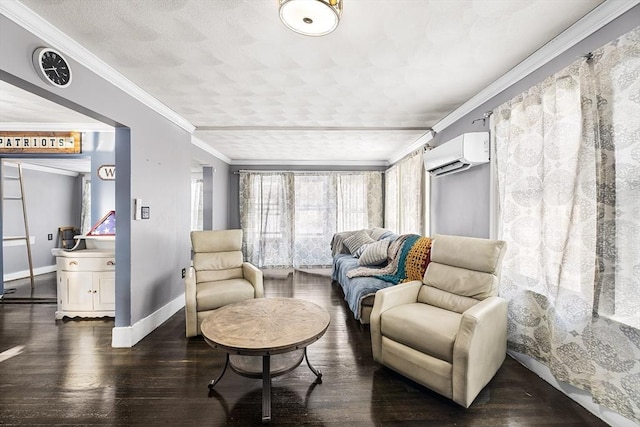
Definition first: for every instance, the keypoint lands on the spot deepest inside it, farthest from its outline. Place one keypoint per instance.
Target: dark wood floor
(67, 373)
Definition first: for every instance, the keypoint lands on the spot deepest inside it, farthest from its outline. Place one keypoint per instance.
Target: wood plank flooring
(67, 373)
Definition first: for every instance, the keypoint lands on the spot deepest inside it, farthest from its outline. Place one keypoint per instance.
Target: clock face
(52, 66)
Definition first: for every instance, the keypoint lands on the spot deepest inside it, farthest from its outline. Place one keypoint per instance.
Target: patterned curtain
(404, 204)
(266, 218)
(568, 172)
(391, 205)
(289, 218)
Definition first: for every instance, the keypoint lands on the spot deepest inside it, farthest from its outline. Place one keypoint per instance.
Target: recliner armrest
(479, 349)
(254, 275)
(404, 293)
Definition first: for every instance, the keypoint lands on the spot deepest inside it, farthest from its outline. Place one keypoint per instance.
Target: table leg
(213, 383)
(317, 372)
(266, 389)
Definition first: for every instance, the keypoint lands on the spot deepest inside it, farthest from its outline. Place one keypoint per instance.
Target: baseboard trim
(128, 336)
(581, 397)
(25, 273)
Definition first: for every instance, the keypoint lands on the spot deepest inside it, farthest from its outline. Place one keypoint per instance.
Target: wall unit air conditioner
(459, 154)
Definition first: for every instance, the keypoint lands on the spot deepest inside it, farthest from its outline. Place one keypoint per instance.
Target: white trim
(209, 149)
(13, 164)
(581, 397)
(420, 142)
(57, 127)
(21, 242)
(370, 163)
(25, 274)
(128, 336)
(589, 24)
(26, 18)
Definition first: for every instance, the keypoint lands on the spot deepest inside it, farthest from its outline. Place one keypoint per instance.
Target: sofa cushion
(376, 233)
(212, 295)
(374, 253)
(428, 329)
(356, 240)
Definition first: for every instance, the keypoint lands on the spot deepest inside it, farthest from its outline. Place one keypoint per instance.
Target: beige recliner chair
(218, 276)
(448, 332)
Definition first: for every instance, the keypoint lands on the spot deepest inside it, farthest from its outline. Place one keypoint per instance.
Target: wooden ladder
(26, 238)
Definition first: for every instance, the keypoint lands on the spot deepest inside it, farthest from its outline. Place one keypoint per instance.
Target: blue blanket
(357, 288)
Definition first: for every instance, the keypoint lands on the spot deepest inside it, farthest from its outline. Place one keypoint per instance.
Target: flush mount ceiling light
(311, 17)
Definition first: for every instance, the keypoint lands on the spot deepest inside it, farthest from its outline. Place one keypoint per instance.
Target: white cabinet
(86, 283)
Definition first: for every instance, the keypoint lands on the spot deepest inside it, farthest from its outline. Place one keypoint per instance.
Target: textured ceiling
(257, 91)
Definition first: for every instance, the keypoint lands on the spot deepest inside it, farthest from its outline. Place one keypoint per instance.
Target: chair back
(462, 272)
(217, 254)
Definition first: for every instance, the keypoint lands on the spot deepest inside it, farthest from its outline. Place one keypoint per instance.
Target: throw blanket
(408, 257)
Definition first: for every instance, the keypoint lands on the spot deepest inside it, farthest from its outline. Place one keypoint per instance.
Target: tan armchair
(218, 276)
(448, 332)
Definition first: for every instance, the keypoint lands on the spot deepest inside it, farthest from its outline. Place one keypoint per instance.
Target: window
(289, 218)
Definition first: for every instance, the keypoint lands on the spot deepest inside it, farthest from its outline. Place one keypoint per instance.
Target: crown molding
(27, 19)
(587, 25)
(209, 149)
(308, 163)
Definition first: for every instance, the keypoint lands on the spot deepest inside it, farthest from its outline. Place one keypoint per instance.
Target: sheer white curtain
(197, 196)
(296, 213)
(315, 218)
(391, 204)
(266, 217)
(85, 212)
(405, 203)
(568, 173)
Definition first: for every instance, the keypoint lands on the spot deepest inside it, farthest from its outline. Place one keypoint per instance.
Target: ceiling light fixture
(311, 17)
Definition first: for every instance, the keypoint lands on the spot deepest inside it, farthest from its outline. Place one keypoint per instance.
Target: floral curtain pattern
(568, 173)
(404, 196)
(289, 218)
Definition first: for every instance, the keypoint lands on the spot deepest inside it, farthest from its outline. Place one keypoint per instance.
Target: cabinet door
(75, 290)
(104, 286)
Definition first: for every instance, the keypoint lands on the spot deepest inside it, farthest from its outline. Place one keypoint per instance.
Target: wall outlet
(184, 273)
(49, 236)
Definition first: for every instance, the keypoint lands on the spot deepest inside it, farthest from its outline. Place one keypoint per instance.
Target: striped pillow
(375, 253)
(354, 242)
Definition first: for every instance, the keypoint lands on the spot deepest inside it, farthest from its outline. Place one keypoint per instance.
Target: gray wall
(460, 202)
(52, 204)
(153, 159)
(216, 190)
(51, 201)
(103, 192)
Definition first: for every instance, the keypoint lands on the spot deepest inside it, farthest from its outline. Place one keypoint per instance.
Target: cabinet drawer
(86, 264)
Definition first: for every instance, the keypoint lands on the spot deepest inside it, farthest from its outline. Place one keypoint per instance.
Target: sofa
(368, 260)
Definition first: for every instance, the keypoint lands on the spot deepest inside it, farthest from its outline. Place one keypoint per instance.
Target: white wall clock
(52, 67)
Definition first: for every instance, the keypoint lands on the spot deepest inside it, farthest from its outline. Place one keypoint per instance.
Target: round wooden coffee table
(277, 330)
